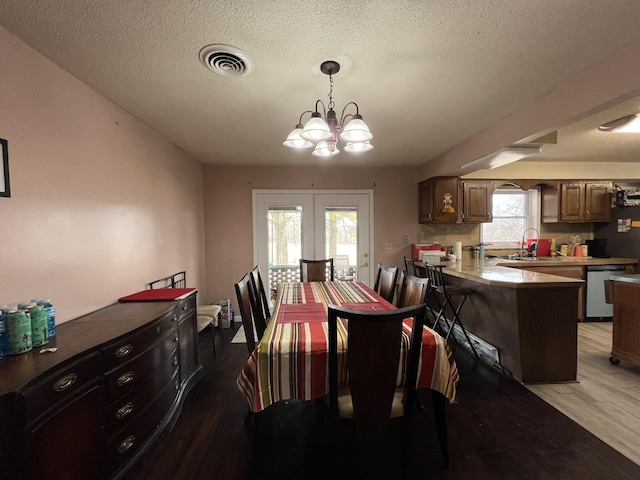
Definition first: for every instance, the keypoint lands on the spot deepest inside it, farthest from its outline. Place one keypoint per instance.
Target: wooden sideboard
(92, 408)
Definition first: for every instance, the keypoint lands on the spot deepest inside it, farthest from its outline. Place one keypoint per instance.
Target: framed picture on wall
(5, 191)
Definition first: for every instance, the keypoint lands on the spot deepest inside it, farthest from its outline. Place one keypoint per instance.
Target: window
(514, 211)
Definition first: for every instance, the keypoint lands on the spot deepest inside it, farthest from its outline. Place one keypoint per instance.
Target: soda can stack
(18, 330)
(39, 321)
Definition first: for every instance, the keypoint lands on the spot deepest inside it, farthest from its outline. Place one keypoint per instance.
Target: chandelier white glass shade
(325, 132)
(628, 124)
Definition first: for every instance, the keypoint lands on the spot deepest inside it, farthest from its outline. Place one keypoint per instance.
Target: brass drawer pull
(125, 378)
(123, 351)
(175, 361)
(175, 339)
(65, 382)
(126, 444)
(174, 319)
(124, 410)
(184, 306)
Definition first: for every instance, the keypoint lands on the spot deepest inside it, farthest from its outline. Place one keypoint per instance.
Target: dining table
(291, 360)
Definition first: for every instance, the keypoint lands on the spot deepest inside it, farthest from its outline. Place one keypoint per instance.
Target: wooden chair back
(249, 311)
(316, 270)
(260, 293)
(413, 291)
(385, 284)
(374, 339)
(177, 280)
(409, 265)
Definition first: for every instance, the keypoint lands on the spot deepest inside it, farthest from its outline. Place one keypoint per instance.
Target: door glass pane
(284, 244)
(341, 241)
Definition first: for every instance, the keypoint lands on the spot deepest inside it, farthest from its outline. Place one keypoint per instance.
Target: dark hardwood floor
(497, 430)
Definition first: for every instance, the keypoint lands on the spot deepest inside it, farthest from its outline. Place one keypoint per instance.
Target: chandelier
(324, 132)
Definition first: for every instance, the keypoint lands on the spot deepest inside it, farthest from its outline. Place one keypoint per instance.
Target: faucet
(523, 249)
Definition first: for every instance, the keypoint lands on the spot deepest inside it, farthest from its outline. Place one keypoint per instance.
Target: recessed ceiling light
(226, 60)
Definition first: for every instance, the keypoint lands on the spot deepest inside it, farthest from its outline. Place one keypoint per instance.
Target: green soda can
(18, 330)
(39, 325)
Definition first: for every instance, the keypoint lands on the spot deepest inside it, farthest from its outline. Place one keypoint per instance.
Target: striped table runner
(291, 360)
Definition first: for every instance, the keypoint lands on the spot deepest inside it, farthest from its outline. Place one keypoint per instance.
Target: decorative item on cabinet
(438, 200)
(90, 410)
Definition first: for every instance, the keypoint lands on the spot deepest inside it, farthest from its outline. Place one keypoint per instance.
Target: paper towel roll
(457, 250)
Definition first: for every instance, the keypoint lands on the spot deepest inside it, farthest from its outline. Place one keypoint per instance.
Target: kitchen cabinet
(90, 409)
(576, 202)
(477, 201)
(626, 319)
(438, 199)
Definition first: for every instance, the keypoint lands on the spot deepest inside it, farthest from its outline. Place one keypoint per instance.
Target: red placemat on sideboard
(158, 295)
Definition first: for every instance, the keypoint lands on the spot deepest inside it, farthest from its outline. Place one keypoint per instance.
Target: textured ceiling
(426, 75)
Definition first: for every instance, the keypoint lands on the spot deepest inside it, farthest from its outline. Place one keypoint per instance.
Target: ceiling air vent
(226, 60)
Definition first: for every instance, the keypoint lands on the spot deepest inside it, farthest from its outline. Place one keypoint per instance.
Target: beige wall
(100, 205)
(228, 215)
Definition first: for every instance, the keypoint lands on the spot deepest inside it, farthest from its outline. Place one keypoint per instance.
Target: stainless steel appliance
(597, 307)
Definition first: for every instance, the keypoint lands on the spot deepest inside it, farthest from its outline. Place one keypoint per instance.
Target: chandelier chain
(331, 104)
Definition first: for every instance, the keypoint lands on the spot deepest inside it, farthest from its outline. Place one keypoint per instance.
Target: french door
(292, 224)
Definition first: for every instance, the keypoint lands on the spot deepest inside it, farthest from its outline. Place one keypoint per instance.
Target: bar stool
(440, 290)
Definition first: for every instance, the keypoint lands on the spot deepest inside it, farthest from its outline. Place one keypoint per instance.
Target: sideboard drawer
(125, 378)
(123, 446)
(186, 306)
(123, 411)
(124, 350)
(60, 386)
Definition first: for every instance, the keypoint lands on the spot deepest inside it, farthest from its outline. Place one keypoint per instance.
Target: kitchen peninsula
(531, 317)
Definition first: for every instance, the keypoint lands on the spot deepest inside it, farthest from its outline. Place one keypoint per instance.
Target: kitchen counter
(510, 273)
(530, 316)
(631, 278)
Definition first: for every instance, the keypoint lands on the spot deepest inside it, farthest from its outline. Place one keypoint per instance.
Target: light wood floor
(606, 398)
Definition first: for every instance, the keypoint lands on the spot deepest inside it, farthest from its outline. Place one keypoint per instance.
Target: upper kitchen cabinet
(438, 200)
(577, 202)
(477, 201)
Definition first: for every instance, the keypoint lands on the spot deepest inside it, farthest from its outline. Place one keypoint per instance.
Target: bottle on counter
(51, 315)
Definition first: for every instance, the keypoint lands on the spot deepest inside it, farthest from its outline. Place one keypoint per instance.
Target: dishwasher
(597, 307)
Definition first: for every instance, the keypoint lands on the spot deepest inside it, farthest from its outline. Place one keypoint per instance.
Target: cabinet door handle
(125, 378)
(126, 444)
(123, 351)
(65, 382)
(124, 410)
(588, 214)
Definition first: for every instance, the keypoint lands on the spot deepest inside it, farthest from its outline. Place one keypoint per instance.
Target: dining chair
(372, 398)
(316, 270)
(260, 293)
(252, 321)
(413, 290)
(385, 283)
(206, 315)
(409, 265)
(443, 296)
(211, 318)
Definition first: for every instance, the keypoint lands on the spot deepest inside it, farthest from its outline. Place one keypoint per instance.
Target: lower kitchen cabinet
(91, 409)
(569, 271)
